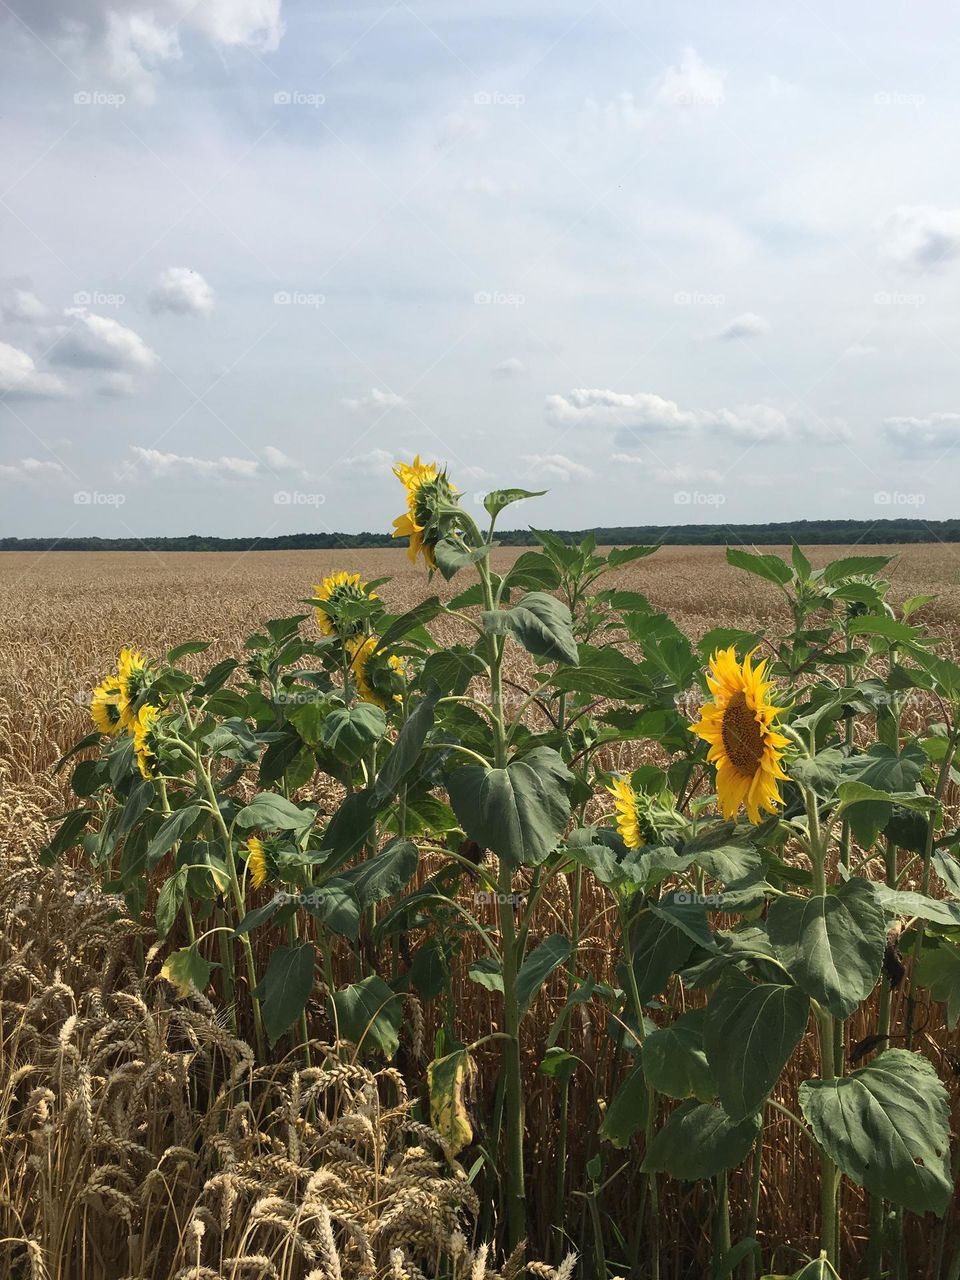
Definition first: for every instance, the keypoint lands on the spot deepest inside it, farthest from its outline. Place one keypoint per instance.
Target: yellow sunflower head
(257, 862)
(430, 495)
(628, 817)
(744, 745)
(105, 705)
(145, 739)
(337, 591)
(379, 676)
(135, 675)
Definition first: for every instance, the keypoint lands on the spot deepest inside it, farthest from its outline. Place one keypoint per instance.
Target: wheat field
(63, 617)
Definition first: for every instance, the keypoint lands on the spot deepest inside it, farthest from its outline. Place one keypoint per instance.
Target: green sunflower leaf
(832, 945)
(887, 1126)
(518, 812)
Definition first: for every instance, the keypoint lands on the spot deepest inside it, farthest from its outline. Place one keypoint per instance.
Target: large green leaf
(939, 969)
(518, 812)
(285, 988)
(350, 731)
(659, 948)
(541, 623)
(602, 673)
(369, 1014)
(187, 970)
(382, 875)
(750, 1031)
(887, 1126)
(538, 966)
(627, 1111)
(405, 752)
(174, 828)
(269, 811)
(832, 945)
(764, 566)
(700, 1140)
(675, 1062)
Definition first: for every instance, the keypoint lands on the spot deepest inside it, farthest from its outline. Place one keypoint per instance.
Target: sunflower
(257, 862)
(145, 738)
(628, 816)
(105, 705)
(379, 675)
(428, 491)
(338, 590)
(744, 745)
(134, 675)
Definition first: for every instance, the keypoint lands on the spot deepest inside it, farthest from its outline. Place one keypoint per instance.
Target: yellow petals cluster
(376, 673)
(114, 707)
(257, 862)
(337, 590)
(428, 489)
(744, 744)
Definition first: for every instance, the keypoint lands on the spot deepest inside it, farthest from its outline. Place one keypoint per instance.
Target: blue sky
(685, 263)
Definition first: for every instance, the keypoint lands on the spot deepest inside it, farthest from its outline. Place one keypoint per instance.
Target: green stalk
(653, 1192)
(238, 900)
(749, 1269)
(829, 1174)
(513, 1081)
(875, 1246)
(944, 774)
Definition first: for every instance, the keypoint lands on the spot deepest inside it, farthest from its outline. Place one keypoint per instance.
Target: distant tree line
(806, 532)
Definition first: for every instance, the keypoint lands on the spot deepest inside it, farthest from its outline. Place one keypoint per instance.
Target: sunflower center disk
(742, 736)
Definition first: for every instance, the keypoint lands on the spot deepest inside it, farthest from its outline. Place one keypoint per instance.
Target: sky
(685, 263)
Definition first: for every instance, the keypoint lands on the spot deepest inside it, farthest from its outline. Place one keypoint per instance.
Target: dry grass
(63, 618)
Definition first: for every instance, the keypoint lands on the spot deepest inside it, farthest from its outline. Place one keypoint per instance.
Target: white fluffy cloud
(921, 435)
(32, 469)
(377, 401)
(378, 462)
(921, 238)
(748, 325)
(20, 306)
(100, 342)
(128, 45)
(691, 83)
(161, 465)
(510, 368)
(20, 377)
(647, 413)
(277, 460)
(182, 291)
(555, 466)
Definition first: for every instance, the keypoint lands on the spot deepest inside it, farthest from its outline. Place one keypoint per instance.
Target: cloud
(628, 459)
(128, 45)
(556, 466)
(376, 400)
(690, 84)
(687, 475)
(749, 325)
(182, 291)
(20, 306)
(20, 377)
(510, 367)
(99, 342)
(162, 465)
(920, 238)
(32, 469)
(378, 462)
(277, 460)
(921, 435)
(649, 414)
